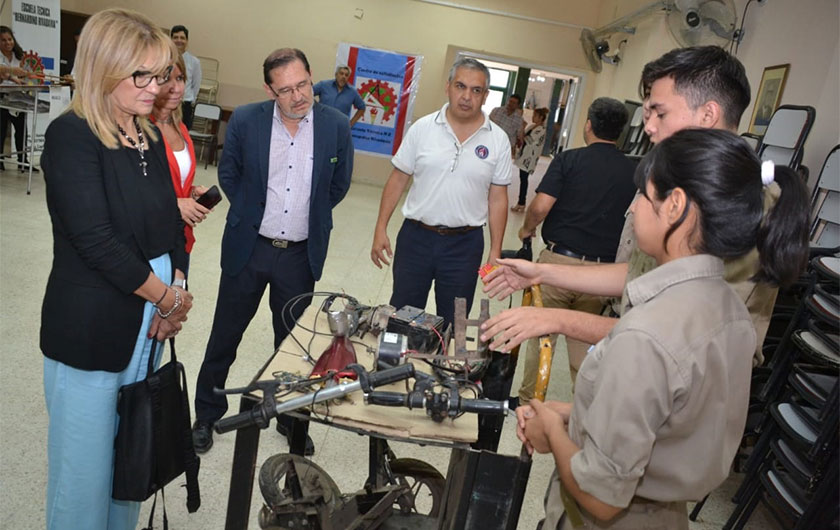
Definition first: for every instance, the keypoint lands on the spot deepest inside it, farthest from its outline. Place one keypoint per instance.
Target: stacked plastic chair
(793, 468)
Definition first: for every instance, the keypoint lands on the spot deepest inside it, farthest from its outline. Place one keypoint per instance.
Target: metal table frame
(246, 446)
(4, 104)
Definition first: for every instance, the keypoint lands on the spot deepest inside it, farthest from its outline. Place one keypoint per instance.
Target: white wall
(241, 33)
(805, 35)
(802, 33)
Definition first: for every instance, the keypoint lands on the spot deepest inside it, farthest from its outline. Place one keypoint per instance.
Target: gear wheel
(384, 93)
(32, 63)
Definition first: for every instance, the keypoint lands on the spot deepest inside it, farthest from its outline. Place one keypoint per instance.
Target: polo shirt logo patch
(481, 152)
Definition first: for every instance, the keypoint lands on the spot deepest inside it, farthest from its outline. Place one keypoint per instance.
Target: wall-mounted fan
(593, 50)
(702, 22)
(691, 22)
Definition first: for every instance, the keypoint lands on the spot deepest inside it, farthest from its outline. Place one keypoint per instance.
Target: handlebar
(438, 405)
(371, 380)
(260, 415)
(255, 416)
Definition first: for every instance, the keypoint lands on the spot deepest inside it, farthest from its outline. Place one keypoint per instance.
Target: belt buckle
(442, 230)
(279, 243)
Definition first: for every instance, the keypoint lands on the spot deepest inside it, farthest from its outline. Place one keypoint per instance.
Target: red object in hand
(486, 269)
(335, 358)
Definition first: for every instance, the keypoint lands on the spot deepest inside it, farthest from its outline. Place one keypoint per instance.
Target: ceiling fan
(691, 22)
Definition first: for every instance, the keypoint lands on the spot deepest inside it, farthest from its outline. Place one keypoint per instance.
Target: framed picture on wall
(768, 97)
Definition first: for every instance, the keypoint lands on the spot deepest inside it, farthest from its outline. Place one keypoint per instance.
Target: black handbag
(154, 440)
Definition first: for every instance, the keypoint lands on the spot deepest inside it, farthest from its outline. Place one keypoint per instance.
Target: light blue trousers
(83, 420)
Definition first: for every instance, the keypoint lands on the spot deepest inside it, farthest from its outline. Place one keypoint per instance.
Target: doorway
(540, 86)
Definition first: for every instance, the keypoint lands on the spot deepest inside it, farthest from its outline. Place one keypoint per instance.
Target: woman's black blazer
(108, 221)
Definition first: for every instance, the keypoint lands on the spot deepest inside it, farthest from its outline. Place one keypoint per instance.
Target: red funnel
(335, 358)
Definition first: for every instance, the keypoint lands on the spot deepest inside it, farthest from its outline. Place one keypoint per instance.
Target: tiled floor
(25, 254)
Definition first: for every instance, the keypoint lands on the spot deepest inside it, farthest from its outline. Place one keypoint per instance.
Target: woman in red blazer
(180, 152)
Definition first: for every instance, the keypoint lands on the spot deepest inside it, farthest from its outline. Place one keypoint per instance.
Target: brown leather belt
(281, 243)
(445, 230)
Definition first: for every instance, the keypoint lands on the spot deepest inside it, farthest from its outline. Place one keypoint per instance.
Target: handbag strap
(191, 460)
(152, 512)
(150, 368)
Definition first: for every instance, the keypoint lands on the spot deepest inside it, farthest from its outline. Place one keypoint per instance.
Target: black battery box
(419, 326)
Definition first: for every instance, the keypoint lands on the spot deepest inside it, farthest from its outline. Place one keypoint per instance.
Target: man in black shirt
(581, 202)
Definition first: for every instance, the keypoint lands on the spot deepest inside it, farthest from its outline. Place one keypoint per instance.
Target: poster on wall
(37, 28)
(387, 82)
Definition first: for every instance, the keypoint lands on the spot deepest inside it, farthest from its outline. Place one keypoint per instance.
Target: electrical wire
(288, 311)
(440, 337)
(736, 42)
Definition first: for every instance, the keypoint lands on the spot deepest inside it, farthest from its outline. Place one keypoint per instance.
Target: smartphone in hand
(210, 198)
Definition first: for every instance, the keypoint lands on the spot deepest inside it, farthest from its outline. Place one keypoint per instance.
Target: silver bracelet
(176, 306)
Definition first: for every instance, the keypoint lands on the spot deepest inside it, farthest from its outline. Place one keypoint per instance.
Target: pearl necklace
(141, 146)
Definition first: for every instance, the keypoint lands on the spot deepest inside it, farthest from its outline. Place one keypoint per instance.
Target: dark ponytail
(783, 236)
(721, 176)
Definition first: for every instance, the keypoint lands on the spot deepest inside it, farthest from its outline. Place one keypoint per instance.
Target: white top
(193, 76)
(184, 163)
(6, 62)
(451, 179)
(290, 160)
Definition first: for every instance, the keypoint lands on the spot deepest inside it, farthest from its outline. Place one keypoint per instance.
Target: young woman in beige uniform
(660, 403)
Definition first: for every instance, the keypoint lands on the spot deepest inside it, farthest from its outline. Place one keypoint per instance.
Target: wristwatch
(180, 282)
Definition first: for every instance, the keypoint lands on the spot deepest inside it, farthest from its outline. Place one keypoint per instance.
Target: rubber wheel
(426, 486)
(314, 481)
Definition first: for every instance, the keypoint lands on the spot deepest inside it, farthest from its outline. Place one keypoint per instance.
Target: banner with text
(387, 82)
(37, 28)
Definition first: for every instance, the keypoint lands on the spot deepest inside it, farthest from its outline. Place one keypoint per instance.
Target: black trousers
(19, 123)
(450, 261)
(523, 186)
(287, 272)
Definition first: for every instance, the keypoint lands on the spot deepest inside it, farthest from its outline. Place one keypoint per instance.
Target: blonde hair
(113, 43)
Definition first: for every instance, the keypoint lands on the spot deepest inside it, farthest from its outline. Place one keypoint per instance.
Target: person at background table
(529, 155)
(660, 404)
(116, 284)
(12, 74)
(181, 37)
(180, 152)
(340, 95)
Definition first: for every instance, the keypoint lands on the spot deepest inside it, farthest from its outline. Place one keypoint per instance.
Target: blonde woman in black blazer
(116, 286)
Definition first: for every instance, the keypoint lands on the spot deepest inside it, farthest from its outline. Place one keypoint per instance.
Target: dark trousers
(19, 123)
(187, 113)
(288, 274)
(451, 261)
(523, 186)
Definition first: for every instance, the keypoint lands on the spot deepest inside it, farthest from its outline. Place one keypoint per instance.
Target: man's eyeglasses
(143, 78)
(285, 92)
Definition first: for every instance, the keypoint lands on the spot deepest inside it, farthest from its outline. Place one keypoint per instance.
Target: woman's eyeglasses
(142, 78)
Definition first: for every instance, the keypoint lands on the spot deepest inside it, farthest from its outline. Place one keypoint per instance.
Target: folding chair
(211, 114)
(825, 204)
(752, 139)
(784, 140)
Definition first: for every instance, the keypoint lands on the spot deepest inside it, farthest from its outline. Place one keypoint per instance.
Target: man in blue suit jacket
(286, 163)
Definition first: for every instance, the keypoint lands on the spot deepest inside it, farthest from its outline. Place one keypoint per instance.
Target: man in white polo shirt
(460, 164)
